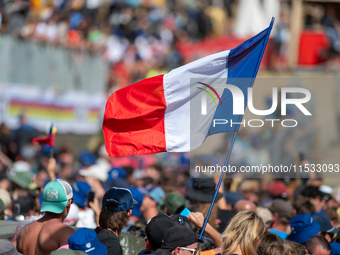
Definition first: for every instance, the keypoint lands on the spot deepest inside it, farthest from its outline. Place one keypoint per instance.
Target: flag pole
(52, 152)
(218, 186)
(233, 141)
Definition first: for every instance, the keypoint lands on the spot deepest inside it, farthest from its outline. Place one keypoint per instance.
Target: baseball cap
(122, 199)
(265, 215)
(8, 248)
(175, 202)
(56, 195)
(80, 190)
(278, 188)
(325, 223)
(86, 240)
(156, 228)
(155, 192)
(177, 236)
(181, 220)
(303, 227)
(95, 171)
(282, 208)
(138, 196)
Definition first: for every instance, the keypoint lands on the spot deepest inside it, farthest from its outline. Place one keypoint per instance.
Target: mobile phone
(185, 212)
(90, 197)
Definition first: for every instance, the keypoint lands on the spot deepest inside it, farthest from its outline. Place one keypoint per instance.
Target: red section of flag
(47, 140)
(134, 119)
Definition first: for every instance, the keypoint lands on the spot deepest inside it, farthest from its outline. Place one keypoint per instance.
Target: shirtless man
(48, 233)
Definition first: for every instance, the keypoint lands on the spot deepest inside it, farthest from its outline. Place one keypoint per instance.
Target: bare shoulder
(26, 237)
(58, 230)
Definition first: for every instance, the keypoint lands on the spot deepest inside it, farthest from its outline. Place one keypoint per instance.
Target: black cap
(156, 228)
(178, 236)
(181, 220)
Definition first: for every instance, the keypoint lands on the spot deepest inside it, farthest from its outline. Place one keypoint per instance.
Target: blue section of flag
(243, 64)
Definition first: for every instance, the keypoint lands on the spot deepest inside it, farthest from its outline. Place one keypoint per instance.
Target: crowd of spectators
(137, 38)
(150, 205)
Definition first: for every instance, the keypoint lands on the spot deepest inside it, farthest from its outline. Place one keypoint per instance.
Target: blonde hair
(243, 232)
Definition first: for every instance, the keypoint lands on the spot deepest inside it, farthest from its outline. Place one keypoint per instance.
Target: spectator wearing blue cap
(153, 196)
(303, 227)
(86, 240)
(86, 216)
(87, 159)
(116, 209)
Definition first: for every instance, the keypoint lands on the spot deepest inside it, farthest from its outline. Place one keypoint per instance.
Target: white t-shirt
(86, 219)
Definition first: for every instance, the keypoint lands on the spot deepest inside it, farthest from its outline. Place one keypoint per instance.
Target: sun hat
(86, 240)
(303, 227)
(56, 195)
(203, 190)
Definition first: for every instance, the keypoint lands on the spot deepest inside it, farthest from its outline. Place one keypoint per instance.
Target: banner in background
(72, 112)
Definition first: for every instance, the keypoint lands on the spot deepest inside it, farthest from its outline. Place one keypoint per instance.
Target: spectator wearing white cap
(95, 175)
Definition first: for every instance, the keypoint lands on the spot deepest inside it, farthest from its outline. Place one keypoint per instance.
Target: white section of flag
(176, 86)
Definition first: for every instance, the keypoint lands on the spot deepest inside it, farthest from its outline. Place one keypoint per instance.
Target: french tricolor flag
(174, 112)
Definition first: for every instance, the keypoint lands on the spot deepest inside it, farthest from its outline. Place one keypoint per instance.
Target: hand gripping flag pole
(234, 138)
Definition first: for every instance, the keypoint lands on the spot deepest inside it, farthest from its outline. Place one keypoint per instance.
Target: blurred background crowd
(81, 48)
(141, 38)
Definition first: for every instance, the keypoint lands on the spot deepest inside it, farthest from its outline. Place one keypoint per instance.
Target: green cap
(22, 179)
(174, 202)
(56, 195)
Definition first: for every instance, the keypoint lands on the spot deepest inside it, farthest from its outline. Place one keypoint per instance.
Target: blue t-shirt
(281, 234)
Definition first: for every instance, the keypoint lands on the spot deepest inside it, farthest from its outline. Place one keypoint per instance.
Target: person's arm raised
(197, 219)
